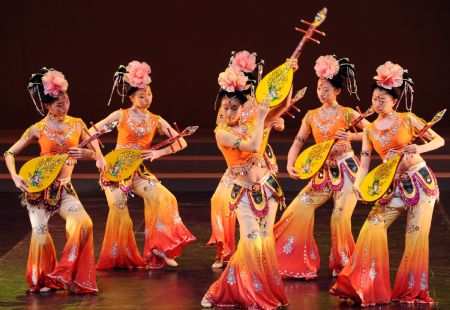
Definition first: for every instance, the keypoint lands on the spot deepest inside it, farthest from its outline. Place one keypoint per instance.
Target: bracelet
(300, 139)
(8, 153)
(237, 143)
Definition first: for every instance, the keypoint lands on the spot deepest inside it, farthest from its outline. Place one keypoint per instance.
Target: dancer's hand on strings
(293, 173)
(293, 63)
(278, 124)
(411, 149)
(152, 154)
(101, 164)
(78, 153)
(342, 135)
(20, 183)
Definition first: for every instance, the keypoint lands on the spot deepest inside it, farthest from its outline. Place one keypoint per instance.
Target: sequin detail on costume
(324, 126)
(73, 254)
(372, 272)
(115, 250)
(384, 136)
(411, 280)
(231, 278)
(159, 225)
(287, 248)
(141, 129)
(42, 229)
(423, 281)
(257, 283)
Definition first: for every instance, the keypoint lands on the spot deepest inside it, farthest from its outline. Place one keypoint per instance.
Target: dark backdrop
(187, 43)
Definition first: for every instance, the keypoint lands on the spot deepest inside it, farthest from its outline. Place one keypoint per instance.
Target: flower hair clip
(135, 74)
(244, 61)
(329, 67)
(54, 83)
(326, 67)
(389, 75)
(231, 80)
(138, 74)
(48, 81)
(240, 76)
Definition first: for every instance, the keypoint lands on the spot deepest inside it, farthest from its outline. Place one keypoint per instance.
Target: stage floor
(183, 287)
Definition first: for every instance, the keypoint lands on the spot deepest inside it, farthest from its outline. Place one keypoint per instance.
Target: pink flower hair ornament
(244, 61)
(138, 74)
(389, 75)
(231, 80)
(54, 83)
(326, 67)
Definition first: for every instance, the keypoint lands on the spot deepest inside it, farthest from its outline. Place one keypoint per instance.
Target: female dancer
(295, 245)
(56, 132)
(222, 220)
(165, 233)
(251, 278)
(366, 278)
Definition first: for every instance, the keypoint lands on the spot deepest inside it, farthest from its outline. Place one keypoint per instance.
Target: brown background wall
(187, 43)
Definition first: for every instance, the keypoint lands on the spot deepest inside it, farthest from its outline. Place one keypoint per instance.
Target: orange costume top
(134, 134)
(399, 134)
(247, 124)
(324, 129)
(240, 162)
(138, 135)
(54, 141)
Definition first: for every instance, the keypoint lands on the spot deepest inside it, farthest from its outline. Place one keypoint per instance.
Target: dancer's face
(142, 98)
(382, 102)
(59, 107)
(231, 111)
(326, 92)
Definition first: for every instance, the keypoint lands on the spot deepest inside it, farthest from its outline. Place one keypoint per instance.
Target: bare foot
(350, 302)
(169, 261)
(205, 303)
(218, 263)
(44, 289)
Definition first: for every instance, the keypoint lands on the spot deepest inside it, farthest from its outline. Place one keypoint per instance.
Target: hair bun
(407, 78)
(346, 68)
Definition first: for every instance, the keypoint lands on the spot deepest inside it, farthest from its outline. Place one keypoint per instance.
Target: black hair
(346, 70)
(132, 90)
(239, 95)
(119, 75)
(35, 84)
(394, 91)
(252, 81)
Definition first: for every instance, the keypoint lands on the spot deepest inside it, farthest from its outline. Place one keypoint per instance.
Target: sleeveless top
(133, 134)
(53, 141)
(399, 134)
(240, 162)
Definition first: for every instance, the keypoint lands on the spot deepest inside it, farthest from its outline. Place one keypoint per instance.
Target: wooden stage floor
(183, 287)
